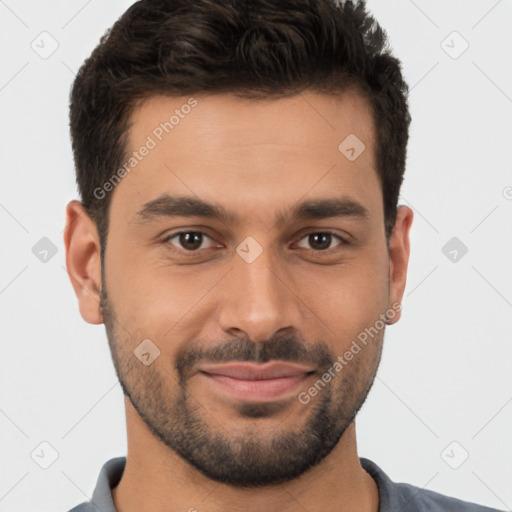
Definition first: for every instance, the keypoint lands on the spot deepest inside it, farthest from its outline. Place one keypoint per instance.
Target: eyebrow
(186, 206)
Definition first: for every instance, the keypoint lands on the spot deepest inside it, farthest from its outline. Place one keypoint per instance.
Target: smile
(256, 382)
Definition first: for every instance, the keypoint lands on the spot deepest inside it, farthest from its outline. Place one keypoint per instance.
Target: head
(239, 166)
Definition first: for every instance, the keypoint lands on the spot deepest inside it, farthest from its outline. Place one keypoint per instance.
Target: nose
(259, 300)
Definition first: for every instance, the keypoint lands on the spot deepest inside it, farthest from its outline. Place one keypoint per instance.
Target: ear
(399, 258)
(83, 261)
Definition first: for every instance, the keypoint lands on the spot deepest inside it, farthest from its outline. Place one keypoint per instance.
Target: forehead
(221, 119)
(254, 156)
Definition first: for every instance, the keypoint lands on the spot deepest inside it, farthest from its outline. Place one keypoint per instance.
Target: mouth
(256, 382)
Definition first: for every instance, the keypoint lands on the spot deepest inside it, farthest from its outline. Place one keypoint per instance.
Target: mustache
(288, 349)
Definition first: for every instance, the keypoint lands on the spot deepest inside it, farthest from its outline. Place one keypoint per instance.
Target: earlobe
(399, 250)
(83, 261)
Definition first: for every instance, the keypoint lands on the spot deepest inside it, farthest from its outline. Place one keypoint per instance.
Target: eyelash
(329, 251)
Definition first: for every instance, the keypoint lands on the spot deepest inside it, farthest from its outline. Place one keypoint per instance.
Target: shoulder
(431, 501)
(84, 507)
(401, 496)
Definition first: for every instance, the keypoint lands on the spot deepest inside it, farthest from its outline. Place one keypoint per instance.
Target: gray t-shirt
(393, 497)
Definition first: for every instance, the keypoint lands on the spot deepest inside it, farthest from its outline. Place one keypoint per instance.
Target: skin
(257, 159)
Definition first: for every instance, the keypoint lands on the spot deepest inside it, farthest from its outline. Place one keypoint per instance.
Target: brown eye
(188, 240)
(320, 241)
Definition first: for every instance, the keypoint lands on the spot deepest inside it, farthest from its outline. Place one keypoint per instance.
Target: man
(239, 165)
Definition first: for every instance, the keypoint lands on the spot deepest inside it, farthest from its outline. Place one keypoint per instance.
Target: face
(245, 261)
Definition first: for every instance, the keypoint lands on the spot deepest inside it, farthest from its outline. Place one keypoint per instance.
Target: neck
(156, 479)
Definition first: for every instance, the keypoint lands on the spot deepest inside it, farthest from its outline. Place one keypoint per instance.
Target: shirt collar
(390, 497)
(109, 477)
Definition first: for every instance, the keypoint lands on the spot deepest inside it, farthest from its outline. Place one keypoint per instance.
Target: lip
(256, 382)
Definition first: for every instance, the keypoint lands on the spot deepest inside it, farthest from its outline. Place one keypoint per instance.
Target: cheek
(157, 300)
(347, 298)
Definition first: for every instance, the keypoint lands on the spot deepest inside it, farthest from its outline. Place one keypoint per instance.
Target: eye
(321, 241)
(189, 240)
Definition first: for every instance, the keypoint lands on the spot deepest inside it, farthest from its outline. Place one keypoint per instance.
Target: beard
(249, 457)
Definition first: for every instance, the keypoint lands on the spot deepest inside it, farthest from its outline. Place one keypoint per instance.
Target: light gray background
(446, 370)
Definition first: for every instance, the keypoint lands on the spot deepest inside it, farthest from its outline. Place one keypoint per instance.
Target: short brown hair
(250, 48)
